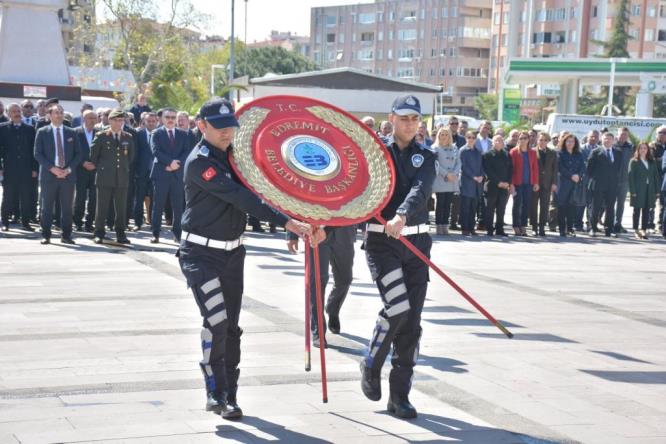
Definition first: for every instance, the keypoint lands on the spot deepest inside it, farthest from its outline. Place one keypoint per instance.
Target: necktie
(59, 150)
(171, 139)
(610, 155)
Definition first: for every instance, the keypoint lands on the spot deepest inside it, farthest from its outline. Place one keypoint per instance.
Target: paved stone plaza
(101, 344)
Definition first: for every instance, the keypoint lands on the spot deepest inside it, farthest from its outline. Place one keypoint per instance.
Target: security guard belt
(212, 243)
(406, 231)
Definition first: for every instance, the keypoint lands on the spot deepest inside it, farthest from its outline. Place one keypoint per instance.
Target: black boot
(121, 238)
(216, 403)
(371, 383)
(233, 411)
(334, 323)
(400, 406)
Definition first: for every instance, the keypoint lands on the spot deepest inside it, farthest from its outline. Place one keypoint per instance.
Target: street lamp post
(232, 52)
(611, 86)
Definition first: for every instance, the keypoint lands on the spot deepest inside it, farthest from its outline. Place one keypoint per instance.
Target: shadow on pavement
(635, 377)
(269, 432)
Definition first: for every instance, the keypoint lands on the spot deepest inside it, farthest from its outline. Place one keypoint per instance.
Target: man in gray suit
(58, 153)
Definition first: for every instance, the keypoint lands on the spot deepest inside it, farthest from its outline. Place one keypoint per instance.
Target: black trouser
(642, 214)
(141, 190)
(85, 192)
(61, 191)
(455, 210)
(16, 199)
(106, 195)
(467, 211)
(604, 200)
(481, 209)
(171, 187)
(521, 205)
(566, 215)
(540, 207)
(443, 207)
(497, 200)
(34, 197)
(216, 280)
(338, 251)
(402, 280)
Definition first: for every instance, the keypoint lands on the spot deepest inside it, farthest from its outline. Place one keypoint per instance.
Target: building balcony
(470, 42)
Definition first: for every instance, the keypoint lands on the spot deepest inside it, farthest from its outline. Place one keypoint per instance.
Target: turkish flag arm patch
(209, 174)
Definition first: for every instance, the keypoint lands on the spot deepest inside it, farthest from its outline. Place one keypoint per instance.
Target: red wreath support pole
(320, 324)
(308, 359)
(449, 281)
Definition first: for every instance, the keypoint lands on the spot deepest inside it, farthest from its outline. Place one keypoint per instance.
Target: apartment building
(571, 29)
(441, 42)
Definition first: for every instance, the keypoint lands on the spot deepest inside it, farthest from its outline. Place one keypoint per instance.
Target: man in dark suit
(58, 153)
(548, 168)
(170, 146)
(141, 106)
(27, 110)
(85, 175)
(603, 170)
(78, 120)
(112, 153)
(18, 166)
(142, 164)
(3, 118)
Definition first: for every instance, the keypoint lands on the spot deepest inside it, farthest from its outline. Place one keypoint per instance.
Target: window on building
(506, 18)
(652, 11)
(406, 72)
(366, 18)
(633, 32)
(317, 56)
(366, 54)
(445, 12)
(379, 54)
(595, 11)
(367, 36)
(442, 72)
(434, 33)
(380, 17)
(330, 38)
(341, 20)
(636, 10)
(432, 72)
(389, 73)
(422, 14)
(573, 36)
(649, 35)
(452, 52)
(341, 38)
(560, 37)
(389, 54)
(661, 35)
(454, 12)
(405, 54)
(380, 36)
(422, 34)
(318, 39)
(573, 13)
(496, 18)
(408, 16)
(407, 34)
(331, 20)
(442, 52)
(390, 35)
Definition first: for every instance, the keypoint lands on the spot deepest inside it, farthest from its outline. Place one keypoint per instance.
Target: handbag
(578, 196)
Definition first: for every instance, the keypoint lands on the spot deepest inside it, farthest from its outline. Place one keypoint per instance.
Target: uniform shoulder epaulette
(203, 151)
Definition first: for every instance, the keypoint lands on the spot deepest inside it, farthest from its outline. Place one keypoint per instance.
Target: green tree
(616, 46)
(487, 105)
(659, 106)
(258, 62)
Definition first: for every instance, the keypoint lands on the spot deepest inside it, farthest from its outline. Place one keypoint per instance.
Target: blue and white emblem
(224, 109)
(311, 157)
(204, 151)
(417, 160)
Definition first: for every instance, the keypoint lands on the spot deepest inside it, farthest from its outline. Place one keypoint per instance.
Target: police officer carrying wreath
(112, 152)
(401, 277)
(211, 251)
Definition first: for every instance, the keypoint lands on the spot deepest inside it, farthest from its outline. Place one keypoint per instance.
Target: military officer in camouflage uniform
(112, 152)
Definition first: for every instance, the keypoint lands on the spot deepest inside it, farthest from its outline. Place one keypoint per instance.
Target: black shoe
(473, 233)
(79, 227)
(258, 229)
(88, 229)
(371, 383)
(454, 227)
(135, 229)
(272, 229)
(490, 234)
(67, 240)
(98, 240)
(542, 232)
(563, 234)
(316, 342)
(216, 403)
(502, 233)
(28, 228)
(176, 239)
(233, 410)
(334, 323)
(45, 241)
(154, 240)
(620, 229)
(400, 406)
(122, 239)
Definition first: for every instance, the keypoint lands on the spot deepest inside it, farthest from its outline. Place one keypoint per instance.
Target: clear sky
(263, 16)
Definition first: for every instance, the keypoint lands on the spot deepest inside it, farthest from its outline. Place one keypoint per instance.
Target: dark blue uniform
(18, 162)
(401, 277)
(216, 209)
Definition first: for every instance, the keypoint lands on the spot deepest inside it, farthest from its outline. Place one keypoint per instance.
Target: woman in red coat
(524, 181)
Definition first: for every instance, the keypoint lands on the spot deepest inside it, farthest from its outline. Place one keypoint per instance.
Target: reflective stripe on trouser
(402, 280)
(217, 285)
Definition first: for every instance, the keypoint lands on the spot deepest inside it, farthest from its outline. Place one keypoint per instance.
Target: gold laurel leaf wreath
(379, 170)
